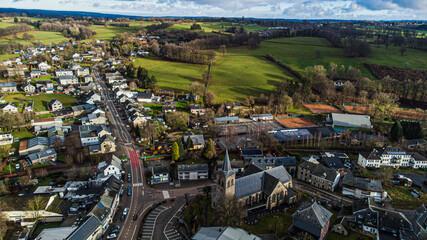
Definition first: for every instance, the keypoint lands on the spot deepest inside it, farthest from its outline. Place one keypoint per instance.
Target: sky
(286, 9)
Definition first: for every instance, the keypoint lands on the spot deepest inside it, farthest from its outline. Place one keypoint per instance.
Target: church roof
(226, 169)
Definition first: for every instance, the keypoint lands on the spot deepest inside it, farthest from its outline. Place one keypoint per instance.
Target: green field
(7, 56)
(6, 24)
(39, 36)
(300, 52)
(215, 26)
(107, 33)
(235, 77)
(40, 101)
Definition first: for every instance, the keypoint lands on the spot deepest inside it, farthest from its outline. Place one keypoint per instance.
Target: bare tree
(35, 206)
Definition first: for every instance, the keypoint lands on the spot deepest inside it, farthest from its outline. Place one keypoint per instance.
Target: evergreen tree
(130, 70)
(15, 20)
(190, 143)
(209, 150)
(396, 131)
(180, 147)
(175, 151)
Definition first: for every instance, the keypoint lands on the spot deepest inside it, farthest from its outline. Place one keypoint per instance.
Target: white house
(63, 72)
(91, 134)
(93, 97)
(88, 78)
(145, 97)
(6, 139)
(114, 167)
(55, 105)
(393, 157)
(10, 107)
(44, 66)
(28, 88)
(68, 80)
(82, 71)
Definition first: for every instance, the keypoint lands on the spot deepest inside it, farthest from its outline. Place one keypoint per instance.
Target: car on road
(112, 236)
(115, 229)
(122, 218)
(129, 191)
(125, 212)
(135, 217)
(129, 178)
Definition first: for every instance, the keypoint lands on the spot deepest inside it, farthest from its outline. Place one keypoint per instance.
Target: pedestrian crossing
(138, 184)
(150, 222)
(170, 230)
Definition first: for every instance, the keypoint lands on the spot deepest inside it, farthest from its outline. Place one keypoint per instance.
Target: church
(259, 189)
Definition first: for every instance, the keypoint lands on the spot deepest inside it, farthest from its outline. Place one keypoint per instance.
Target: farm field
(6, 24)
(300, 52)
(297, 122)
(107, 33)
(40, 101)
(234, 77)
(321, 108)
(39, 36)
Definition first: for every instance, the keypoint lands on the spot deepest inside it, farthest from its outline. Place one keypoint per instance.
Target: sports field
(409, 114)
(234, 77)
(300, 52)
(358, 109)
(297, 122)
(321, 108)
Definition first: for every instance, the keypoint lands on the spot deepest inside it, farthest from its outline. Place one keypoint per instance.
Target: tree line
(14, 29)
(78, 32)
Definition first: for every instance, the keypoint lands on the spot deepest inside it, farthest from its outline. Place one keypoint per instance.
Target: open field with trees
(234, 77)
(44, 37)
(301, 52)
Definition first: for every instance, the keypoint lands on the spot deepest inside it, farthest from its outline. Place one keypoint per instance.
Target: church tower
(226, 177)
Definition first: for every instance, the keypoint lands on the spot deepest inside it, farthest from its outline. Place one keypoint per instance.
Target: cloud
(97, 4)
(392, 4)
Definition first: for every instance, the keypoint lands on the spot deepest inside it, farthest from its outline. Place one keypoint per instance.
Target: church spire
(226, 169)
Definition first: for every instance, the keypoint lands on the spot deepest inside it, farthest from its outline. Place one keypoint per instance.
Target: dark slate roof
(223, 233)
(333, 162)
(256, 182)
(325, 132)
(159, 169)
(145, 95)
(314, 214)
(362, 183)
(53, 101)
(42, 154)
(251, 169)
(270, 183)
(320, 171)
(264, 162)
(251, 152)
(86, 229)
(193, 167)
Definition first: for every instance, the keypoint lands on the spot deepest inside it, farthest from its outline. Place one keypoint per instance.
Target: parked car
(122, 218)
(129, 191)
(17, 166)
(135, 217)
(125, 211)
(129, 178)
(111, 236)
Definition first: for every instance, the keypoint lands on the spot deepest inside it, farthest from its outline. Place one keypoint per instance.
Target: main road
(129, 230)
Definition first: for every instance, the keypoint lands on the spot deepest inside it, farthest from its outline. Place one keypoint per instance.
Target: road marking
(165, 194)
(169, 222)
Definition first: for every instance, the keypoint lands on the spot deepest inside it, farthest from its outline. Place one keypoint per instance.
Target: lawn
(7, 56)
(235, 77)
(44, 37)
(15, 203)
(107, 33)
(215, 26)
(40, 101)
(300, 52)
(402, 198)
(6, 24)
(23, 134)
(267, 224)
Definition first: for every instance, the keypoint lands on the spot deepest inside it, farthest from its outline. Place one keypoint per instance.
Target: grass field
(235, 77)
(39, 36)
(269, 224)
(7, 56)
(215, 26)
(300, 52)
(40, 101)
(6, 24)
(107, 33)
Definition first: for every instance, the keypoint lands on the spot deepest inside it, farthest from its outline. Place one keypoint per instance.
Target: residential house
(197, 110)
(415, 143)
(10, 108)
(334, 163)
(341, 226)
(82, 71)
(88, 78)
(248, 153)
(318, 175)
(313, 219)
(261, 190)
(91, 134)
(42, 156)
(198, 140)
(393, 157)
(55, 105)
(28, 88)
(8, 87)
(91, 119)
(74, 66)
(6, 138)
(78, 110)
(16, 72)
(193, 171)
(361, 188)
(56, 58)
(265, 163)
(352, 121)
(93, 98)
(37, 73)
(33, 145)
(29, 107)
(45, 86)
(222, 233)
(44, 66)
(68, 80)
(160, 174)
(109, 168)
(169, 107)
(145, 97)
(63, 72)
